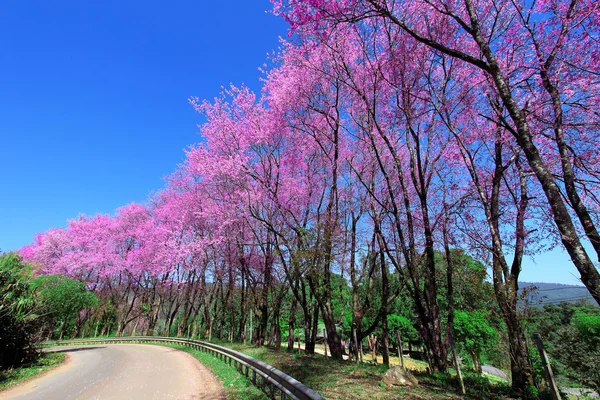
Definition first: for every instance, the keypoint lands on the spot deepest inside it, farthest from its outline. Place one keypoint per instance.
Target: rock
(396, 376)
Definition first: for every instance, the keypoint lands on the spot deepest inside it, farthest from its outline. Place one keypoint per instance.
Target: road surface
(490, 369)
(122, 371)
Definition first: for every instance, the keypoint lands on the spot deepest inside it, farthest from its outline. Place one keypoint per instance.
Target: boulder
(396, 376)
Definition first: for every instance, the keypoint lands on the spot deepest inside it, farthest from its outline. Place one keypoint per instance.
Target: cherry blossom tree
(541, 60)
(386, 134)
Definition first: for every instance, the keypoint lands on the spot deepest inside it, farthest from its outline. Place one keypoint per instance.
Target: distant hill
(555, 293)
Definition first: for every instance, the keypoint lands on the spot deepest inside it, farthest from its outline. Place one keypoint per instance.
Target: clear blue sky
(93, 97)
(93, 102)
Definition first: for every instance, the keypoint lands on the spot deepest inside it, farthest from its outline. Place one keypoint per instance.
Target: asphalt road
(494, 371)
(123, 371)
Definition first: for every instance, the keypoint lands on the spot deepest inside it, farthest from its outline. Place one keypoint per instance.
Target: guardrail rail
(270, 380)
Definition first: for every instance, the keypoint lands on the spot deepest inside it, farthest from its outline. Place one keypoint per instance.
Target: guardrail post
(547, 368)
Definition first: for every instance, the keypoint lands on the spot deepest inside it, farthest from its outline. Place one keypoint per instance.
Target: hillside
(555, 293)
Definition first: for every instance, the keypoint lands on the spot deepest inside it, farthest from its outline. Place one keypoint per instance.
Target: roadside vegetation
(54, 306)
(33, 309)
(46, 362)
(349, 380)
(571, 333)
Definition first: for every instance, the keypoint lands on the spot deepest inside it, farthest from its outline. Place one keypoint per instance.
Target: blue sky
(93, 102)
(93, 97)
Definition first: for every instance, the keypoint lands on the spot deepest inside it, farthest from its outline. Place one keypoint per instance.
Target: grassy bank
(347, 380)
(46, 362)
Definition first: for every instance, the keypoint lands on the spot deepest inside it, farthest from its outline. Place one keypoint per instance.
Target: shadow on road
(72, 350)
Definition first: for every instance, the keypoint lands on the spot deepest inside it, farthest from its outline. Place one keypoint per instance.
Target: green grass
(495, 379)
(348, 380)
(342, 380)
(46, 362)
(235, 385)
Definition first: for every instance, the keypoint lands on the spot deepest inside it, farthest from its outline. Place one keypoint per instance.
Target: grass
(235, 385)
(46, 362)
(348, 380)
(495, 379)
(341, 380)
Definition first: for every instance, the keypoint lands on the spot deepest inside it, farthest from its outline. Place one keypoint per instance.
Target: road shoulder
(23, 386)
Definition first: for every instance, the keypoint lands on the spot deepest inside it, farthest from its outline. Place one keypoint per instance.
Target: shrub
(19, 322)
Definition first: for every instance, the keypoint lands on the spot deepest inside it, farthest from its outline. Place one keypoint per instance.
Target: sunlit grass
(348, 380)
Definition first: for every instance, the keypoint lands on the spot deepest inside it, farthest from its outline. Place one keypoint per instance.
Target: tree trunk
(400, 349)
(291, 323)
(385, 340)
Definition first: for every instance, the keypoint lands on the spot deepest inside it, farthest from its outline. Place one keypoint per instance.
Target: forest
(399, 162)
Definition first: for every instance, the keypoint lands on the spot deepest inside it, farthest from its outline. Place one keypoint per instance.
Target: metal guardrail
(270, 380)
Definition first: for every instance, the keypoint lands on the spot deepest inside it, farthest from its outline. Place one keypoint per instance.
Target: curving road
(123, 371)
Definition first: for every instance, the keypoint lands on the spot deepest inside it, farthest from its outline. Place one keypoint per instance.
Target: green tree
(62, 299)
(471, 289)
(571, 333)
(19, 322)
(588, 326)
(406, 327)
(474, 334)
(578, 349)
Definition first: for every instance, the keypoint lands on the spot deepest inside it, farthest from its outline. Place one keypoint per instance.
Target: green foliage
(588, 327)
(480, 385)
(30, 307)
(471, 290)
(108, 314)
(571, 334)
(62, 299)
(341, 296)
(396, 322)
(536, 364)
(18, 314)
(403, 325)
(473, 331)
(474, 334)
(16, 294)
(579, 354)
